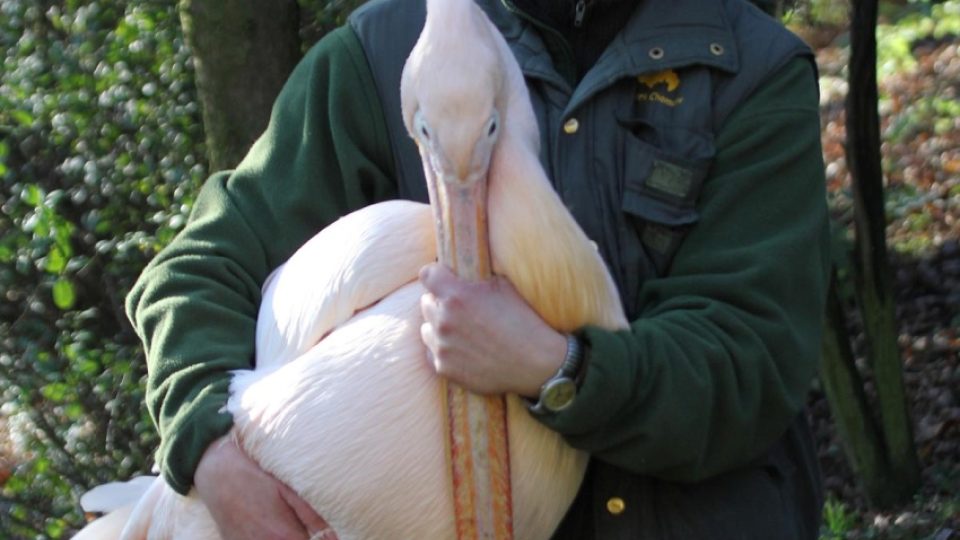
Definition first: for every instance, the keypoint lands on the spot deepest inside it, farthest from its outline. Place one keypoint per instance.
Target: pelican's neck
(450, 23)
(536, 243)
(444, 11)
(533, 239)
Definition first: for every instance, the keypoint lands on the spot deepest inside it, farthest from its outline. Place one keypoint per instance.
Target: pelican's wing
(108, 497)
(349, 265)
(119, 501)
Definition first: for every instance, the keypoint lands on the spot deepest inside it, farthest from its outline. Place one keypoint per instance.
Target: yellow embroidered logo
(651, 81)
(667, 77)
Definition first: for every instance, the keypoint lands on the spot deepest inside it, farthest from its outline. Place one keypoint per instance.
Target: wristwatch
(559, 391)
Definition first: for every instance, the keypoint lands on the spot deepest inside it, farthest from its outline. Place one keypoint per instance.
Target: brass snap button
(616, 506)
(656, 53)
(716, 49)
(571, 126)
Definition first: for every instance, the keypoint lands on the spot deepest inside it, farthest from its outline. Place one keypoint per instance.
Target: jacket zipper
(579, 11)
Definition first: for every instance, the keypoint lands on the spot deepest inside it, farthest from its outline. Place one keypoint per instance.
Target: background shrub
(100, 157)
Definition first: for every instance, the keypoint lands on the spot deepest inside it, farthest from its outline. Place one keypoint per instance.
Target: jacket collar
(661, 34)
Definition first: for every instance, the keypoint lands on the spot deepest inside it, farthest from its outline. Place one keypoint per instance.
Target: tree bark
(243, 52)
(862, 437)
(871, 267)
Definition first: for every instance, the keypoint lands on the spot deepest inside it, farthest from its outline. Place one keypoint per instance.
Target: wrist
(544, 364)
(210, 460)
(219, 458)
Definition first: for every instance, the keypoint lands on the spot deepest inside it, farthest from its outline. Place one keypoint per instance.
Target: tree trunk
(243, 52)
(862, 437)
(872, 270)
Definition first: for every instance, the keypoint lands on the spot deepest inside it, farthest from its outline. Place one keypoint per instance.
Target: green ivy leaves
(63, 294)
(100, 158)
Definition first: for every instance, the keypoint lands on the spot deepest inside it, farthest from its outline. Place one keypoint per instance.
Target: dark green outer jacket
(726, 324)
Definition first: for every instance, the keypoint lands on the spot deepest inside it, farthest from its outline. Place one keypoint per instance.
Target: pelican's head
(458, 150)
(451, 92)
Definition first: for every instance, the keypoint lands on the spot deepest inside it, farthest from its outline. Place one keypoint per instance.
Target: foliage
(817, 13)
(837, 520)
(922, 109)
(896, 44)
(101, 156)
(320, 16)
(100, 159)
(919, 21)
(921, 158)
(924, 521)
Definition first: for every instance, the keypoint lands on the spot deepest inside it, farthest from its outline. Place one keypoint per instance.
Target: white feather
(111, 496)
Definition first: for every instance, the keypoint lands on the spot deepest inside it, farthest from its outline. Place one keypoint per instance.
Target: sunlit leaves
(22, 117)
(32, 195)
(63, 294)
(56, 261)
(56, 392)
(100, 158)
(920, 121)
(894, 41)
(4, 150)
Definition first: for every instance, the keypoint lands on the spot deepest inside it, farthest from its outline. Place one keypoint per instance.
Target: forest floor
(920, 126)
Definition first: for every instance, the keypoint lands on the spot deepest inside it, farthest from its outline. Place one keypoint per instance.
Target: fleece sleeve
(723, 353)
(324, 154)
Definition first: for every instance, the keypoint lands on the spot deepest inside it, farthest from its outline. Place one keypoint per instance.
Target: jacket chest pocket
(661, 185)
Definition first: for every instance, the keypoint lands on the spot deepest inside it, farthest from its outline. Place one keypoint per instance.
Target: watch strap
(571, 369)
(573, 360)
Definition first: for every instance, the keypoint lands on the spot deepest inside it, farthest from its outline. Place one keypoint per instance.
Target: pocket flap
(642, 204)
(651, 172)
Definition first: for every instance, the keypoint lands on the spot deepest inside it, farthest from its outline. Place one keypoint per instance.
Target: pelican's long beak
(478, 442)
(478, 446)
(460, 214)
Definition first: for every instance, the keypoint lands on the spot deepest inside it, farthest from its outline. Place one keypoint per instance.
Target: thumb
(438, 279)
(309, 518)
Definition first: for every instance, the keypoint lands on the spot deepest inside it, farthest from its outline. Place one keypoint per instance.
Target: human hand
(249, 504)
(484, 336)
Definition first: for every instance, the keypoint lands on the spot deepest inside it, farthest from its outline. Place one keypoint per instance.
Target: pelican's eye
(494, 125)
(420, 126)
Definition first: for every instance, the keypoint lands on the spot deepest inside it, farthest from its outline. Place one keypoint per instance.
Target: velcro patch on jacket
(659, 238)
(670, 179)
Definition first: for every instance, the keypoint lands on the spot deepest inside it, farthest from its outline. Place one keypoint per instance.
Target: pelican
(342, 405)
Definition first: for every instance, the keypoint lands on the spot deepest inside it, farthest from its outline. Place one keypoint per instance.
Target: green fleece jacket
(708, 376)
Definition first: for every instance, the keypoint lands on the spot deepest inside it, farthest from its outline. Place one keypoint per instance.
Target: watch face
(559, 394)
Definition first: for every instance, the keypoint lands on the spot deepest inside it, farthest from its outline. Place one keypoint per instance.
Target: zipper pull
(579, 11)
